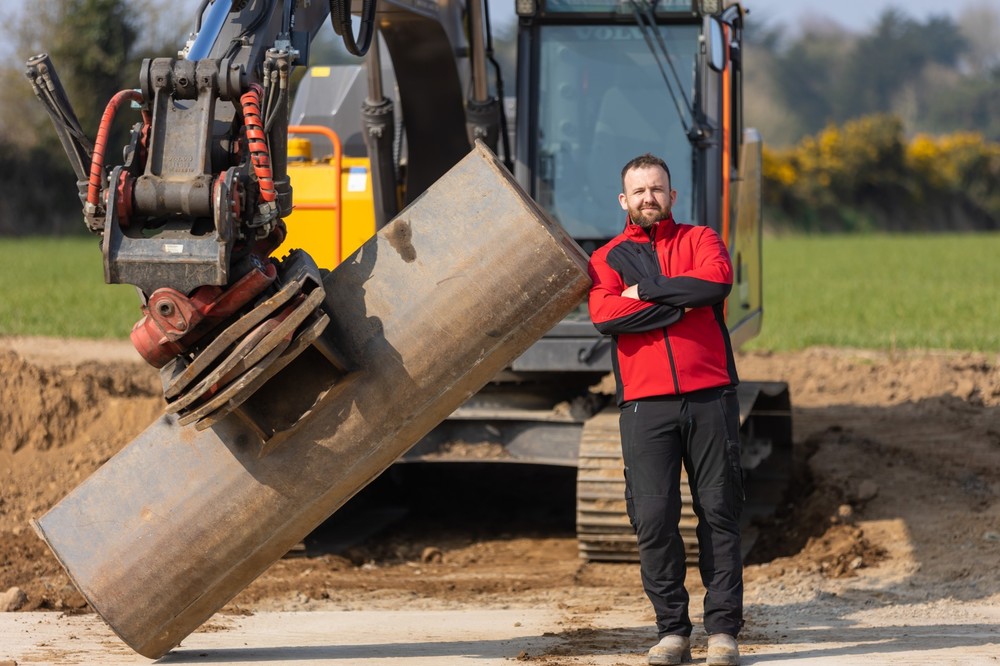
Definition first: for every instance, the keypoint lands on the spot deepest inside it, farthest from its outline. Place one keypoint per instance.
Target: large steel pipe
(427, 312)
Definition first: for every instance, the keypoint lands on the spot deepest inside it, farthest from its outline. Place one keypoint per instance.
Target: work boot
(722, 650)
(670, 650)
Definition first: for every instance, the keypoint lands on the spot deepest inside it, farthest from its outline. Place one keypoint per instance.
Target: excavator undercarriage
(513, 423)
(603, 529)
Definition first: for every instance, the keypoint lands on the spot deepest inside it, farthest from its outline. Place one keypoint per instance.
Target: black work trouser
(700, 430)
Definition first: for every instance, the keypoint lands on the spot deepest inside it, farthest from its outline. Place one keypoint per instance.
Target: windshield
(603, 101)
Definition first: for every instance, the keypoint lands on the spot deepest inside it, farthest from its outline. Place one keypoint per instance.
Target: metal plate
(297, 272)
(237, 392)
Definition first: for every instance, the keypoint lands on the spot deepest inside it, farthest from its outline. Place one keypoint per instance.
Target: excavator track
(602, 525)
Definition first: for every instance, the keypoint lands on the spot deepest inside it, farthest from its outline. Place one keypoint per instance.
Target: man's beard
(647, 217)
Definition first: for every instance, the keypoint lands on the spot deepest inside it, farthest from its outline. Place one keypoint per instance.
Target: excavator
(422, 287)
(597, 83)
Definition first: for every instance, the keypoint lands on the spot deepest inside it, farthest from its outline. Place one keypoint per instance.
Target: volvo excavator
(439, 298)
(597, 83)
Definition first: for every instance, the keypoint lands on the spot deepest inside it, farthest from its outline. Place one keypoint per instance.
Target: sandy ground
(499, 637)
(886, 551)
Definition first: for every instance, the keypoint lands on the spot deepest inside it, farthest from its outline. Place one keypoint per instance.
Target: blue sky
(856, 15)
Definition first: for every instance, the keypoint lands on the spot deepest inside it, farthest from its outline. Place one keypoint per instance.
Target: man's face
(647, 196)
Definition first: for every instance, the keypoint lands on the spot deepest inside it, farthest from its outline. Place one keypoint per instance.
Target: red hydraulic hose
(260, 156)
(97, 160)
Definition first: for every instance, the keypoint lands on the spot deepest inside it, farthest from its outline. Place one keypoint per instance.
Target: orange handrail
(335, 160)
(727, 148)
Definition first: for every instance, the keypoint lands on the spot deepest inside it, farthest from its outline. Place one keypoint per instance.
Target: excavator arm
(195, 210)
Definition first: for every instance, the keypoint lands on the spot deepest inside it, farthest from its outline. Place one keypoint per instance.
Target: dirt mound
(59, 422)
(897, 475)
(46, 407)
(822, 376)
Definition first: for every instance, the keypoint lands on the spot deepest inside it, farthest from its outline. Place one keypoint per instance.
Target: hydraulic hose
(260, 155)
(340, 17)
(97, 159)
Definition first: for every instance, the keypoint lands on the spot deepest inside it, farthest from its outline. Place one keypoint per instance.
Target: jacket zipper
(666, 334)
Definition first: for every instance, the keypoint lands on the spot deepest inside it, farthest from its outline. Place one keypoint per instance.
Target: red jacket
(675, 339)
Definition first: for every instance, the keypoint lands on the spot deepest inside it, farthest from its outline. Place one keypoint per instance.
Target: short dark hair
(645, 160)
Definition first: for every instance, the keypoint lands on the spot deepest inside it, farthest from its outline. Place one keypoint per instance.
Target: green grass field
(870, 291)
(910, 291)
(55, 286)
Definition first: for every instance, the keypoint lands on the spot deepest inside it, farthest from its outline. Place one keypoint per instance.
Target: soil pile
(59, 421)
(896, 490)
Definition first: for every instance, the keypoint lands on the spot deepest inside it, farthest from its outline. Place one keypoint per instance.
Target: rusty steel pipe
(426, 312)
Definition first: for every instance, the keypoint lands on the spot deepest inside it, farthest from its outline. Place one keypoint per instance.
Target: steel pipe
(425, 313)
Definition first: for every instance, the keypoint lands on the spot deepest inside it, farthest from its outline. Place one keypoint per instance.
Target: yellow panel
(313, 230)
(299, 149)
(358, 224)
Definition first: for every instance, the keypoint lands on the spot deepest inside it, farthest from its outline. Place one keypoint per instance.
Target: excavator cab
(590, 98)
(602, 81)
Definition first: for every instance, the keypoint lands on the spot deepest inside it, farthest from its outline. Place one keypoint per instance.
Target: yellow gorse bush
(865, 174)
(947, 160)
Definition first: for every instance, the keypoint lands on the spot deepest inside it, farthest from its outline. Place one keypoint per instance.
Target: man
(658, 290)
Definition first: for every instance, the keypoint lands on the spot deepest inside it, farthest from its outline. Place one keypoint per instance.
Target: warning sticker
(357, 179)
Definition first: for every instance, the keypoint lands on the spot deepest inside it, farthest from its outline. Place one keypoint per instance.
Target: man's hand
(632, 292)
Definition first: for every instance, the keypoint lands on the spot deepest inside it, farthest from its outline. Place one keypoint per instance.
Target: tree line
(938, 76)
(894, 128)
(96, 47)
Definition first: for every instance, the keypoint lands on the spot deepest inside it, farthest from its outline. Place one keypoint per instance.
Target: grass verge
(55, 286)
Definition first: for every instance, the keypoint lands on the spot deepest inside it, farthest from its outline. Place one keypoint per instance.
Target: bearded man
(659, 290)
